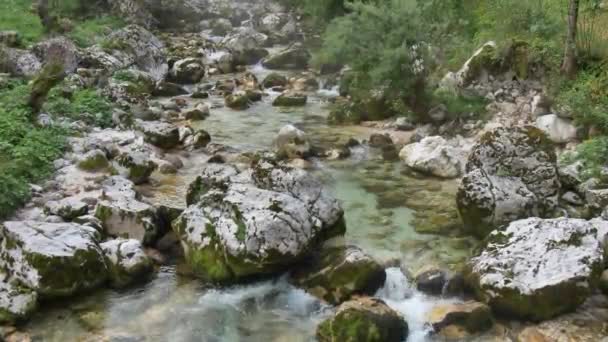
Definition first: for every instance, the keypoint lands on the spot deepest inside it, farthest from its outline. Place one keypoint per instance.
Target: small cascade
(401, 295)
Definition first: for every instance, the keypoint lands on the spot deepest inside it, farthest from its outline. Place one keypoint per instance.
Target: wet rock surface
(255, 221)
(537, 269)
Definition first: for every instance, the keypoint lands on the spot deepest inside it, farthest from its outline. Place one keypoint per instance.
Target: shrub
(586, 97)
(26, 150)
(17, 15)
(85, 104)
(88, 32)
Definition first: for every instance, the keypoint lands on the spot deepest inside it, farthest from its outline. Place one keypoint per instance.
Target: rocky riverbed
(223, 207)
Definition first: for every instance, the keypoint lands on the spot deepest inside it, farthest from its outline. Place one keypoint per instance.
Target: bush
(86, 105)
(462, 107)
(26, 150)
(88, 32)
(586, 97)
(17, 15)
(593, 153)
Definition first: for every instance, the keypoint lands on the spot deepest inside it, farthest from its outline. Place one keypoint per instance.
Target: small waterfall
(401, 295)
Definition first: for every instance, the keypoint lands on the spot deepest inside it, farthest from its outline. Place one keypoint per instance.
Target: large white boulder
(435, 156)
(539, 268)
(559, 130)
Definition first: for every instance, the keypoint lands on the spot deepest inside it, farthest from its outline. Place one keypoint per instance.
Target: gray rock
(123, 215)
(187, 71)
(337, 273)
(68, 208)
(246, 45)
(58, 50)
(19, 63)
(199, 112)
(53, 259)
(93, 160)
(254, 222)
(160, 134)
(559, 130)
(435, 156)
(293, 57)
(127, 262)
(291, 143)
(136, 164)
(511, 174)
(16, 303)
(537, 269)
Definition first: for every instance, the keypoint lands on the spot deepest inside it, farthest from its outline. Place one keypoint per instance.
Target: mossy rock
(238, 101)
(337, 273)
(53, 259)
(127, 262)
(363, 320)
(94, 160)
(290, 99)
(274, 80)
(16, 303)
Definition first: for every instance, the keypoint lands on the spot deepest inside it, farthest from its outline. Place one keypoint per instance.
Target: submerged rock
(434, 156)
(238, 100)
(363, 319)
(537, 269)
(511, 174)
(337, 273)
(254, 222)
(53, 259)
(127, 262)
(16, 303)
(122, 214)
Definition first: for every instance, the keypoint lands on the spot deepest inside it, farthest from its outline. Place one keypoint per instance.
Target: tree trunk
(45, 15)
(569, 63)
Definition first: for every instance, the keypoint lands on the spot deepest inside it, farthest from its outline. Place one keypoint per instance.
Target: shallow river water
(381, 201)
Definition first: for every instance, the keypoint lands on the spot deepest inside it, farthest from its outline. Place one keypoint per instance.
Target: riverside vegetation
(316, 170)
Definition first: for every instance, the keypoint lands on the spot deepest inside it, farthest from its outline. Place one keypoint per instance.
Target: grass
(17, 15)
(84, 104)
(27, 151)
(90, 32)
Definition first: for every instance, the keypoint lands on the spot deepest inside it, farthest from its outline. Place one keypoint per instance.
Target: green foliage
(586, 97)
(594, 155)
(88, 32)
(85, 104)
(462, 107)
(17, 15)
(26, 151)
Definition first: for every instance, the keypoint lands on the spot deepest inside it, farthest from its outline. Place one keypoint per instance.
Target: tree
(570, 63)
(51, 74)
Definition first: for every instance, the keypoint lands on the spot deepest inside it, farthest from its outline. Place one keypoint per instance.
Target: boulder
(539, 268)
(93, 160)
(160, 134)
(130, 85)
(473, 316)
(559, 130)
(378, 140)
(10, 38)
(134, 12)
(135, 164)
(187, 71)
(16, 303)
(337, 273)
(199, 112)
(290, 99)
(168, 89)
(127, 262)
(432, 281)
(435, 156)
(274, 80)
(511, 174)
(19, 63)
(199, 139)
(53, 259)
(254, 222)
(68, 208)
(293, 57)
(122, 214)
(238, 100)
(291, 143)
(363, 319)
(246, 45)
(132, 46)
(58, 50)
